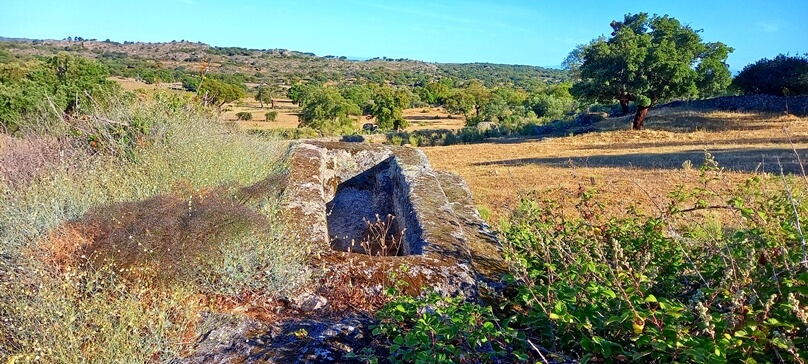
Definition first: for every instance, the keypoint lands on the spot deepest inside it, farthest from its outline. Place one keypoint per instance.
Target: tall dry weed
(153, 176)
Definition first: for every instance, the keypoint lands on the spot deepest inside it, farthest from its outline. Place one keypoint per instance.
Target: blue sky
(538, 32)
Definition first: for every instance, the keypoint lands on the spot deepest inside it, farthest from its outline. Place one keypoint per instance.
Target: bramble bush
(642, 288)
(439, 329)
(718, 276)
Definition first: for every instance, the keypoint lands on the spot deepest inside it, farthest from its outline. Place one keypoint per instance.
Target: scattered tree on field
(218, 93)
(648, 60)
(479, 94)
(325, 109)
(361, 95)
(434, 93)
(460, 102)
(388, 106)
(264, 96)
(298, 92)
(574, 61)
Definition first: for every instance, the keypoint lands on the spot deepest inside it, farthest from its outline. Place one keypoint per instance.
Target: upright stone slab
(336, 189)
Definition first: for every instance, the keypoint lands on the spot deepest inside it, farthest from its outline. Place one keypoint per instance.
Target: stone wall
(796, 105)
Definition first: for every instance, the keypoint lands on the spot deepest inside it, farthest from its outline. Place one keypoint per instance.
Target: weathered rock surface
(332, 189)
(306, 340)
(336, 187)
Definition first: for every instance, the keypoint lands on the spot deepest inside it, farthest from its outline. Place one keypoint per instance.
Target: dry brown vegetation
(627, 167)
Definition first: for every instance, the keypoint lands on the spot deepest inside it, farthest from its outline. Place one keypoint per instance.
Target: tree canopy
(650, 59)
(783, 75)
(388, 106)
(264, 96)
(218, 93)
(66, 82)
(324, 108)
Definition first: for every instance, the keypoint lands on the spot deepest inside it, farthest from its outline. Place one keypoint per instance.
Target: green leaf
(650, 298)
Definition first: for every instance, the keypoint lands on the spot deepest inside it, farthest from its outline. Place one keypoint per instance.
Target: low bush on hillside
(271, 116)
(115, 256)
(677, 287)
(244, 115)
(286, 133)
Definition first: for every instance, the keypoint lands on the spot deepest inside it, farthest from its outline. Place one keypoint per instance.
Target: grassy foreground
(114, 253)
(146, 215)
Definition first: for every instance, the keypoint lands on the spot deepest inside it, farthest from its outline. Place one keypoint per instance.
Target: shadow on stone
(366, 214)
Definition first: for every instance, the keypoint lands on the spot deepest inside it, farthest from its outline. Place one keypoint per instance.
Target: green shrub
(271, 116)
(61, 84)
(678, 287)
(244, 115)
(781, 76)
(641, 288)
(550, 106)
(439, 329)
(397, 140)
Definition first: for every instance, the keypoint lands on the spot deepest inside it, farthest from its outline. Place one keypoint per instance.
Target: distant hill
(173, 61)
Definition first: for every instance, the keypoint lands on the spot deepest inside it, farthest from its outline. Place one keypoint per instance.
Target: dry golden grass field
(627, 167)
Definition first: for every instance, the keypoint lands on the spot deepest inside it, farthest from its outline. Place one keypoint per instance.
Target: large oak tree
(388, 106)
(648, 60)
(324, 109)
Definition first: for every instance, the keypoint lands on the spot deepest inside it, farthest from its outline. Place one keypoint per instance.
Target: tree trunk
(624, 106)
(639, 118)
(272, 104)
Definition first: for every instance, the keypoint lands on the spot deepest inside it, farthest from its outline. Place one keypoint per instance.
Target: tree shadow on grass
(427, 118)
(674, 120)
(639, 145)
(736, 159)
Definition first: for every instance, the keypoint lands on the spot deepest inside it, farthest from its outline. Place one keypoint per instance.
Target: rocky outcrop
(336, 189)
(333, 191)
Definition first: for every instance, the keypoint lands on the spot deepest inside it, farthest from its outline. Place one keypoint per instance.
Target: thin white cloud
(768, 27)
(509, 27)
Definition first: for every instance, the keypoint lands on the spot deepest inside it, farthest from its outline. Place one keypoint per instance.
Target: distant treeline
(181, 61)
